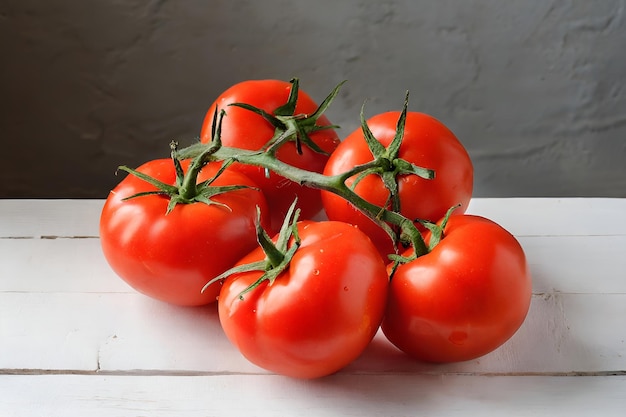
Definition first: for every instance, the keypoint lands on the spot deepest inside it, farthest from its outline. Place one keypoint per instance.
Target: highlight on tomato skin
(319, 314)
(464, 299)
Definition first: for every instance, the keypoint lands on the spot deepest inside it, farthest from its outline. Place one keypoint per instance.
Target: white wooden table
(75, 340)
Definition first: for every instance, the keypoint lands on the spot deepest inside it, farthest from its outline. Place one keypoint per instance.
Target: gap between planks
(48, 237)
(365, 373)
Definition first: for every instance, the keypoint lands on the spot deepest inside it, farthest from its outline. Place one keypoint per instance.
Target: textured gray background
(534, 89)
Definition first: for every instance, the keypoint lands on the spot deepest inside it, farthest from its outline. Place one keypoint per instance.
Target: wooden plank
(63, 311)
(576, 264)
(555, 216)
(566, 264)
(339, 395)
(56, 265)
(521, 216)
(115, 331)
(51, 218)
(126, 332)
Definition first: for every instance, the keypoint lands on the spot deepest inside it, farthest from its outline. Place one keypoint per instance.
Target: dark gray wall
(534, 89)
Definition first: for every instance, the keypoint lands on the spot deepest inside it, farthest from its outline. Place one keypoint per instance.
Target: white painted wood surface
(75, 340)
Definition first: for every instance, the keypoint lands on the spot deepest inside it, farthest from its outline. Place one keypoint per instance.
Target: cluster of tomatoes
(304, 298)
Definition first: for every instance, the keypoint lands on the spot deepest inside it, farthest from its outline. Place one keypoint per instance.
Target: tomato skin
(171, 257)
(319, 314)
(241, 128)
(427, 143)
(464, 299)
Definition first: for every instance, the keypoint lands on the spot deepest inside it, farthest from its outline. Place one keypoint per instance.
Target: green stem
(188, 189)
(409, 233)
(273, 254)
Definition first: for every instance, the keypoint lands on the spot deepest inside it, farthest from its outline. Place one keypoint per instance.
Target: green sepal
(436, 230)
(277, 255)
(289, 108)
(291, 127)
(390, 166)
(162, 187)
(376, 148)
(405, 167)
(274, 121)
(206, 194)
(255, 266)
(186, 190)
(270, 275)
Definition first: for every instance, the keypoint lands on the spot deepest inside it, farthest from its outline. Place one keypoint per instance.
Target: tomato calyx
(389, 165)
(277, 255)
(291, 127)
(436, 236)
(437, 230)
(186, 189)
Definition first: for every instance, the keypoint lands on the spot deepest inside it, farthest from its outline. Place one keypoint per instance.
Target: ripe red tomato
(462, 300)
(427, 143)
(171, 257)
(319, 314)
(244, 129)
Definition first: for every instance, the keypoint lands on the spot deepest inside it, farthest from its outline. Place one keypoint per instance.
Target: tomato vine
(409, 234)
(245, 203)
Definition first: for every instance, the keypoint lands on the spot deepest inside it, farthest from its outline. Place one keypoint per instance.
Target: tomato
(463, 299)
(427, 143)
(244, 129)
(319, 314)
(170, 257)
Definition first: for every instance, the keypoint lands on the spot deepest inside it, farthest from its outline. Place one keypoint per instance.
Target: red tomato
(462, 300)
(244, 129)
(427, 143)
(319, 314)
(171, 257)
